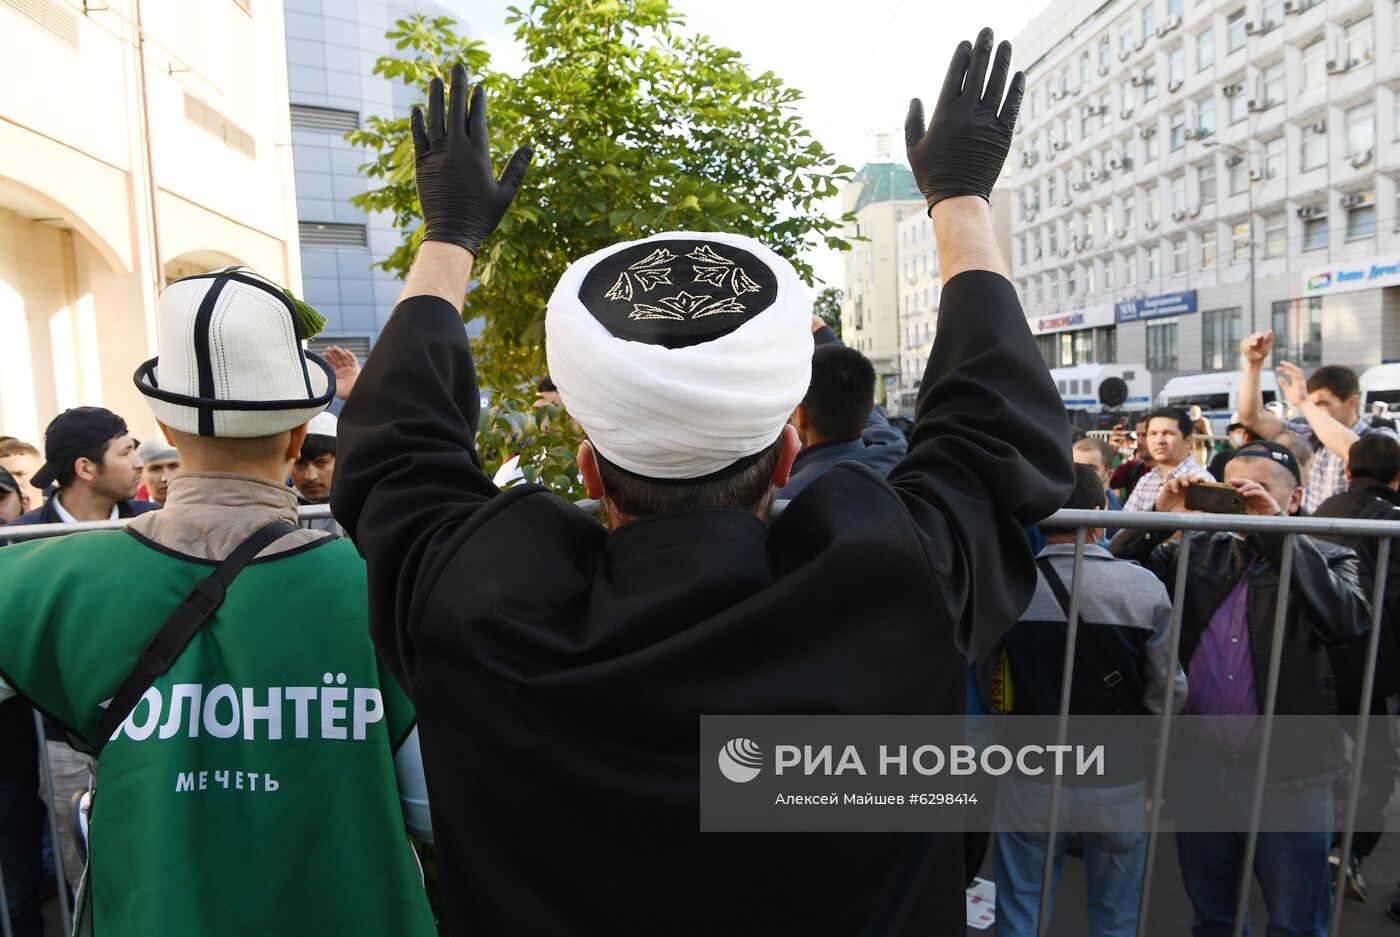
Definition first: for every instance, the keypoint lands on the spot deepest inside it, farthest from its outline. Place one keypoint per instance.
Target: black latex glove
(966, 144)
(461, 198)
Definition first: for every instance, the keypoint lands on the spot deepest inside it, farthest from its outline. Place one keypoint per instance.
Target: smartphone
(1214, 498)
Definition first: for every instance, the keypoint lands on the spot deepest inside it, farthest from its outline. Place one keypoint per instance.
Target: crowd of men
(246, 720)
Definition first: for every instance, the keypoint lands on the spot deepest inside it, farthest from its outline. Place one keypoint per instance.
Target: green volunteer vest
(252, 791)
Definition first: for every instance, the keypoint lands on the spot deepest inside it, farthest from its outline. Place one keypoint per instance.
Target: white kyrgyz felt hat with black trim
(682, 355)
(232, 362)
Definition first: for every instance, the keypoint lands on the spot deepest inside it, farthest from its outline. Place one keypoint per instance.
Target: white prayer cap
(231, 361)
(323, 424)
(682, 353)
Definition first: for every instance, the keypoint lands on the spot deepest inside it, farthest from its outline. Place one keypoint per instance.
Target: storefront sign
(1351, 275)
(1155, 307)
(1091, 317)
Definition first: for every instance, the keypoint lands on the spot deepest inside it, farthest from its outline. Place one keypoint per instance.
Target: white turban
(682, 353)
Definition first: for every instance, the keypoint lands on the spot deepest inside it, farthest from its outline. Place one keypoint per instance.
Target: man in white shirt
(92, 456)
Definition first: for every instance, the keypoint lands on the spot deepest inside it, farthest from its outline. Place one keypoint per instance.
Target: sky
(857, 63)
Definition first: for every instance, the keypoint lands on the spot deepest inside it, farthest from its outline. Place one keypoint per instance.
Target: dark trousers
(22, 822)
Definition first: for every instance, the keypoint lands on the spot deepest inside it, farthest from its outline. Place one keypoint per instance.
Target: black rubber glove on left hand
(461, 198)
(966, 144)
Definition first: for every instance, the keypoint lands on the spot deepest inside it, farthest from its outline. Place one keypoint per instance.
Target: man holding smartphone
(1227, 630)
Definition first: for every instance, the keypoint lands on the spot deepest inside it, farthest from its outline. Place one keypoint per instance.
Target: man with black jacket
(560, 667)
(1226, 636)
(1373, 471)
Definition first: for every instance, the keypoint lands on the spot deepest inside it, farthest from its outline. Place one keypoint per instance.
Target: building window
(1234, 32)
(1271, 13)
(1205, 117)
(1361, 218)
(1125, 41)
(1106, 110)
(1177, 134)
(1238, 108)
(1127, 97)
(1050, 181)
(1152, 204)
(1179, 256)
(1205, 183)
(1161, 346)
(1275, 158)
(1178, 184)
(1205, 49)
(1084, 124)
(1298, 332)
(1049, 346)
(1084, 68)
(1314, 149)
(1238, 174)
(1129, 270)
(1149, 20)
(1129, 212)
(1089, 278)
(1149, 83)
(1176, 67)
(1154, 262)
(1275, 234)
(1108, 274)
(1274, 87)
(1361, 129)
(1105, 50)
(1150, 148)
(1208, 248)
(1315, 232)
(1314, 71)
(1358, 41)
(1239, 242)
(1106, 343)
(1220, 338)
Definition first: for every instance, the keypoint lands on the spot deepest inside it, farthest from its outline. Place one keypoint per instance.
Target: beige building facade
(140, 142)
(881, 196)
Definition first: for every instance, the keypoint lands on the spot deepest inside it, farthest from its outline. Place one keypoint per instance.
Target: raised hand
(461, 198)
(1255, 349)
(1292, 383)
(346, 367)
(966, 143)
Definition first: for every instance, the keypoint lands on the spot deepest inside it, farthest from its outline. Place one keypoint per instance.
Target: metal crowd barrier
(1292, 527)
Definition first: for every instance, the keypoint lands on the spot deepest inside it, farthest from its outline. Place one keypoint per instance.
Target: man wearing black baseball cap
(91, 454)
(1226, 637)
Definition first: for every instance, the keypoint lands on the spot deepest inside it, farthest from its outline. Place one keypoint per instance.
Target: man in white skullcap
(160, 463)
(561, 666)
(256, 764)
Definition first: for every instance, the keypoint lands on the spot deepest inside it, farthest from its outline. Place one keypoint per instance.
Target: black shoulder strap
(1124, 687)
(182, 625)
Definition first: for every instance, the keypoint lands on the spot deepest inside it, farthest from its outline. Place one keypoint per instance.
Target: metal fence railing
(1291, 527)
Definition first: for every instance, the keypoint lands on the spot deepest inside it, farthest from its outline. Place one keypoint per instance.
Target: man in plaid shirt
(1329, 403)
(1169, 444)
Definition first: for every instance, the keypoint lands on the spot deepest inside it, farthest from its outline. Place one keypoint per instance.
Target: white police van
(1096, 394)
(1217, 393)
(1381, 384)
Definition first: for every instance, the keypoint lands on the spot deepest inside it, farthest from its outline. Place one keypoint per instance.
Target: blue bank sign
(1349, 276)
(1154, 307)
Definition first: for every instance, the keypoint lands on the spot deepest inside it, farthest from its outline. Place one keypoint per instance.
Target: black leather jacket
(1326, 607)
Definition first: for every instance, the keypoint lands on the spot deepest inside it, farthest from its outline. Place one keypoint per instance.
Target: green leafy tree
(638, 127)
(827, 307)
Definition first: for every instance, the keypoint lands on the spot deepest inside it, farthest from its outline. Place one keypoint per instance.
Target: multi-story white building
(919, 291)
(881, 196)
(1186, 171)
(140, 141)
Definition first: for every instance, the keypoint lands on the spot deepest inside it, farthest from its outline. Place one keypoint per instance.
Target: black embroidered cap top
(677, 292)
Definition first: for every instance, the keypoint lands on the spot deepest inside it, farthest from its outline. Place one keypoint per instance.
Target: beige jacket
(208, 514)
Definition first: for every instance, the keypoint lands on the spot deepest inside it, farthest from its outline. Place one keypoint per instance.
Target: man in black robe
(560, 667)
